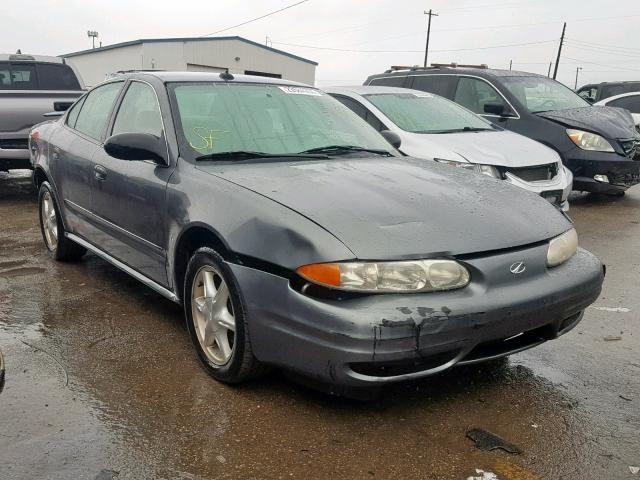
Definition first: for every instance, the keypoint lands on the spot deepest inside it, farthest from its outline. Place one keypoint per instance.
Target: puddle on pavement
(107, 381)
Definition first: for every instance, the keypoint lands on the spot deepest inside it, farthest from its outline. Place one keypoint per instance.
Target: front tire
(217, 320)
(58, 245)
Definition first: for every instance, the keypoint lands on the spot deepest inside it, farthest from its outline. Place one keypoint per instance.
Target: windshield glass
(217, 117)
(426, 113)
(541, 94)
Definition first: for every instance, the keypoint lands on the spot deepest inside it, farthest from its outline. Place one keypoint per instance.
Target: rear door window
(631, 103)
(395, 81)
(72, 116)
(442, 85)
(94, 114)
(18, 76)
(588, 93)
(474, 94)
(52, 76)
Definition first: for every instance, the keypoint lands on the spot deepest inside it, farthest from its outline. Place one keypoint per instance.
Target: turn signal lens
(562, 248)
(387, 277)
(325, 273)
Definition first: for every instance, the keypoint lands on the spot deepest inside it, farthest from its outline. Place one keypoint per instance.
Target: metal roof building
(199, 54)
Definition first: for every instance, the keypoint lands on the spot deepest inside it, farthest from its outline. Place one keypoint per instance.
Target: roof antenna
(226, 76)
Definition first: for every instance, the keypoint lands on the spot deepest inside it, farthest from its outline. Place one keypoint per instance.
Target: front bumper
(11, 159)
(378, 339)
(555, 191)
(14, 152)
(622, 172)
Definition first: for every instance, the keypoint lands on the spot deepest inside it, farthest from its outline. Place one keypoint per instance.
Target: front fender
(246, 223)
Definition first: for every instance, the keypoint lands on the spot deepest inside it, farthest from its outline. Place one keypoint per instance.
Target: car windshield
(427, 113)
(215, 118)
(542, 94)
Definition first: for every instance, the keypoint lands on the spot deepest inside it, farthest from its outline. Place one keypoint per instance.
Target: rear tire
(216, 319)
(58, 245)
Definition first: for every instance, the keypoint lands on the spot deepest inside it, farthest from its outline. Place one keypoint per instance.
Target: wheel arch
(39, 177)
(193, 237)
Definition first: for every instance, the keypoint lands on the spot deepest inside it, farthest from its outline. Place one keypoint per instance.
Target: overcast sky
(607, 48)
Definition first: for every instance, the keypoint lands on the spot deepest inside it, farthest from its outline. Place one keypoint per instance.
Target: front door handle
(100, 173)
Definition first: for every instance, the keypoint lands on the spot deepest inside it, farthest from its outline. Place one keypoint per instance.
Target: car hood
(389, 208)
(608, 121)
(500, 148)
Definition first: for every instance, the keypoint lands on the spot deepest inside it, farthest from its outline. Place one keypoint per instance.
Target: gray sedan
(296, 236)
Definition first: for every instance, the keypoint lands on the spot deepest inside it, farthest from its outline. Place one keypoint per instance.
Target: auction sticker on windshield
(300, 91)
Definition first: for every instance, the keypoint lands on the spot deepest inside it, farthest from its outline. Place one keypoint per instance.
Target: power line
(507, 5)
(602, 50)
(603, 64)
(315, 47)
(258, 18)
(607, 47)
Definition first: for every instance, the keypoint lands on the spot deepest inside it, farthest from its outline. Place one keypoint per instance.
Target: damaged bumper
(601, 172)
(378, 339)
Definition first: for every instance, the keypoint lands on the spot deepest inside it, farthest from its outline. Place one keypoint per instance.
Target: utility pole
(555, 70)
(510, 64)
(577, 70)
(426, 50)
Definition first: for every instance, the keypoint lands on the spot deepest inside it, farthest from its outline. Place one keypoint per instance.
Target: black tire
(242, 364)
(64, 249)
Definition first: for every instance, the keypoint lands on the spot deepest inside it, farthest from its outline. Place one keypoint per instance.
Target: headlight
(488, 170)
(562, 248)
(589, 141)
(388, 277)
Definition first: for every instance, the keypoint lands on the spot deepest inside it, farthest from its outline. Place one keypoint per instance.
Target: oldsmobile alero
(295, 235)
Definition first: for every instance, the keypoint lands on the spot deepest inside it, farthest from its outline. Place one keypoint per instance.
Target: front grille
(15, 144)
(631, 147)
(535, 174)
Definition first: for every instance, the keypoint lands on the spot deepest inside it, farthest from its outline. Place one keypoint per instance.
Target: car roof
(479, 72)
(25, 57)
(368, 89)
(604, 101)
(168, 77)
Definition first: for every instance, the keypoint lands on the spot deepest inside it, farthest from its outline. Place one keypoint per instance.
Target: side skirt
(125, 268)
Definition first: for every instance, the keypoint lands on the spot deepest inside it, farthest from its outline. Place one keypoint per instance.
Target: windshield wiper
(460, 130)
(343, 149)
(239, 155)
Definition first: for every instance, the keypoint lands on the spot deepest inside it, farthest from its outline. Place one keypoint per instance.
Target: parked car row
(296, 235)
(600, 145)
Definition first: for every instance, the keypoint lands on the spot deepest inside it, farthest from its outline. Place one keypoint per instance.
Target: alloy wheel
(213, 315)
(49, 221)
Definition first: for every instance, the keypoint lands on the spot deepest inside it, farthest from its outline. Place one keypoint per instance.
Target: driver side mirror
(497, 109)
(136, 146)
(392, 137)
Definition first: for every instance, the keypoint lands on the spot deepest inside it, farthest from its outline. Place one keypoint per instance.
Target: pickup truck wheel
(58, 245)
(217, 320)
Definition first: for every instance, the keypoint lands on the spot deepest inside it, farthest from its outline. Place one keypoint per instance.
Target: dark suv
(595, 92)
(600, 145)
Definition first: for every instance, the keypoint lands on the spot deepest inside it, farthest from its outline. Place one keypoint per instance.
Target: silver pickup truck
(31, 87)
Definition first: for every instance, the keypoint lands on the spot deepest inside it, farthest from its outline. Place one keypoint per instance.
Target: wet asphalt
(102, 383)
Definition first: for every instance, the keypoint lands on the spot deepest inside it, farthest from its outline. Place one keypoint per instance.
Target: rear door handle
(100, 173)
